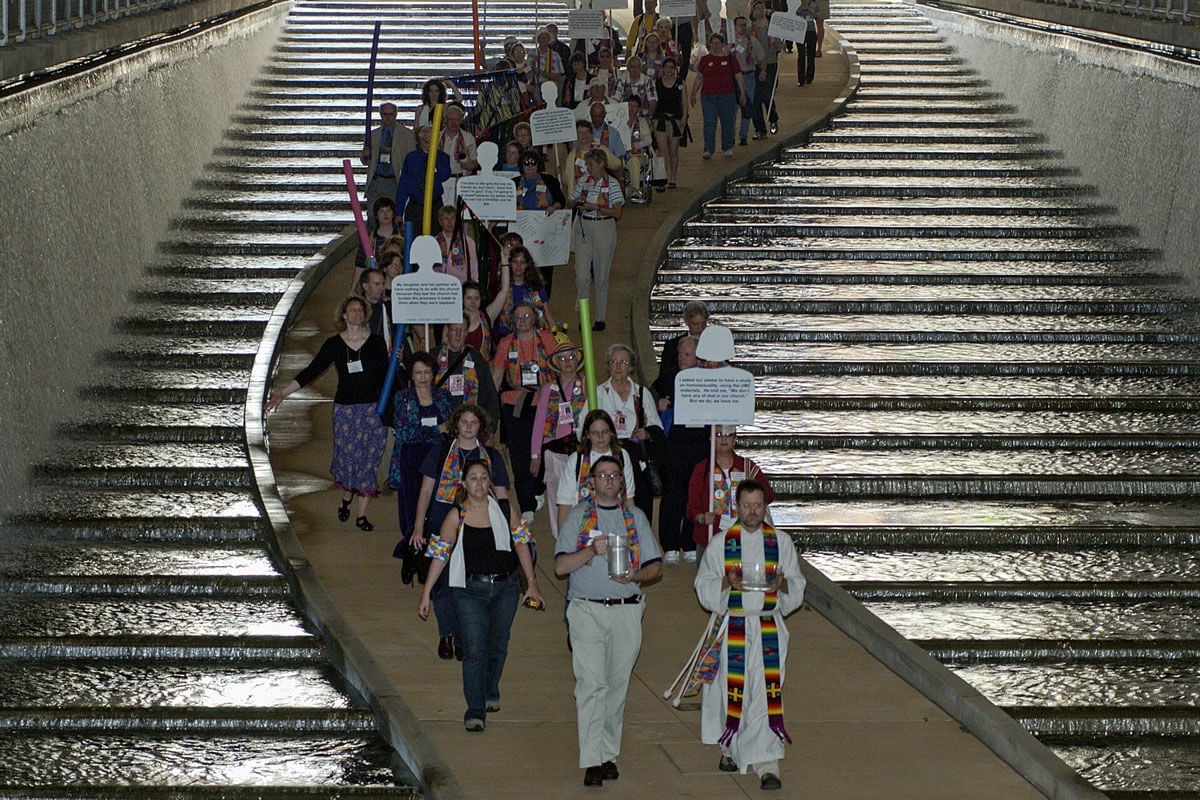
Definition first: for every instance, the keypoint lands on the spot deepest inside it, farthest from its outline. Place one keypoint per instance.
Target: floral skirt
(359, 439)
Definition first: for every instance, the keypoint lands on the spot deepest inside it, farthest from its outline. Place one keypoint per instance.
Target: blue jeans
(485, 616)
(723, 107)
(748, 110)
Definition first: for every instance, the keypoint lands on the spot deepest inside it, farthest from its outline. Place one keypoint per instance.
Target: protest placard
(425, 296)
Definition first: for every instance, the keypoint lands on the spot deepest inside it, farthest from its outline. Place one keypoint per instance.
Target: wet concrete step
(56, 616)
(968, 189)
(267, 204)
(766, 207)
(185, 721)
(934, 291)
(933, 151)
(887, 137)
(162, 765)
(892, 540)
(178, 385)
(1069, 571)
(1087, 591)
(980, 170)
(718, 227)
(777, 396)
(814, 273)
(30, 555)
(916, 118)
(236, 319)
(1059, 650)
(150, 422)
(327, 226)
(973, 440)
(182, 352)
(164, 685)
(964, 249)
(842, 390)
(224, 266)
(163, 465)
(1102, 722)
(135, 586)
(203, 291)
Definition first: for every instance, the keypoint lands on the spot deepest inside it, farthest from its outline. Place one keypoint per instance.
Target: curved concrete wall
(1129, 120)
(95, 167)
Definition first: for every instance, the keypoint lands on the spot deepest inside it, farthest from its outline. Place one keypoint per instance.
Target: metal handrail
(22, 20)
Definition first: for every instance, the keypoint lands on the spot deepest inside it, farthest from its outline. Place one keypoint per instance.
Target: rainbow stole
(736, 640)
(573, 407)
(470, 376)
(590, 521)
(452, 469)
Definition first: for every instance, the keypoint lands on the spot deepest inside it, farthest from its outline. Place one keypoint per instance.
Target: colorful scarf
(553, 412)
(452, 469)
(736, 642)
(722, 489)
(470, 376)
(512, 363)
(590, 521)
(581, 479)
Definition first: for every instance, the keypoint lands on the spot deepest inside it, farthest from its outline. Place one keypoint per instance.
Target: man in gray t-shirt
(604, 613)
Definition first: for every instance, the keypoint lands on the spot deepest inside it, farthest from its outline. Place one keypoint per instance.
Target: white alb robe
(754, 742)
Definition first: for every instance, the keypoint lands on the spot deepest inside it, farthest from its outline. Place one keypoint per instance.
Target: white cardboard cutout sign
(598, 5)
(548, 237)
(488, 196)
(551, 125)
(585, 24)
(719, 396)
(424, 296)
(677, 8)
(788, 25)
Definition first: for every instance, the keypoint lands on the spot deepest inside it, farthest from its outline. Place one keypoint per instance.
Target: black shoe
(742, 142)
(608, 771)
(593, 776)
(344, 510)
(727, 764)
(459, 653)
(774, 128)
(598, 326)
(363, 524)
(759, 136)
(446, 648)
(770, 782)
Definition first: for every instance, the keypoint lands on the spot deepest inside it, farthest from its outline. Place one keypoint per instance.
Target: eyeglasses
(600, 432)
(726, 435)
(607, 476)
(619, 362)
(529, 162)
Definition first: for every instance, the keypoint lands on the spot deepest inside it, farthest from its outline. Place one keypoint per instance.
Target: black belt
(615, 601)
(597, 219)
(492, 577)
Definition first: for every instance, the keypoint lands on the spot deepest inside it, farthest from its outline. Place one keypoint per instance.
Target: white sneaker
(541, 502)
(727, 153)
(527, 517)
(672, 557)
(706, 155)
(689, 556)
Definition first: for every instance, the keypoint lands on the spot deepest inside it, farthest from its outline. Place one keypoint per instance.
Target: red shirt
(718, 72)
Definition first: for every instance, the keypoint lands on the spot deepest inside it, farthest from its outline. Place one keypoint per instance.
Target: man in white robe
(754, 744)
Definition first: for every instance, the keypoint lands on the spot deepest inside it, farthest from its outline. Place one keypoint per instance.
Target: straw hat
(564, 346)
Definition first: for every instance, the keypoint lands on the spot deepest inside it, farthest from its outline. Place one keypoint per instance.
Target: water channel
(976, 393)
(152, 645)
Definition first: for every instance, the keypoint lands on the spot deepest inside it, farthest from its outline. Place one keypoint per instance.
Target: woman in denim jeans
(483, 549)
(721, 89)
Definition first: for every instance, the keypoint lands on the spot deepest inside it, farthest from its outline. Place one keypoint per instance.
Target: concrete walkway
(859, 731)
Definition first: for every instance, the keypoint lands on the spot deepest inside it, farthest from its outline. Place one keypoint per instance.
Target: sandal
(344, 510)
(364, 524)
